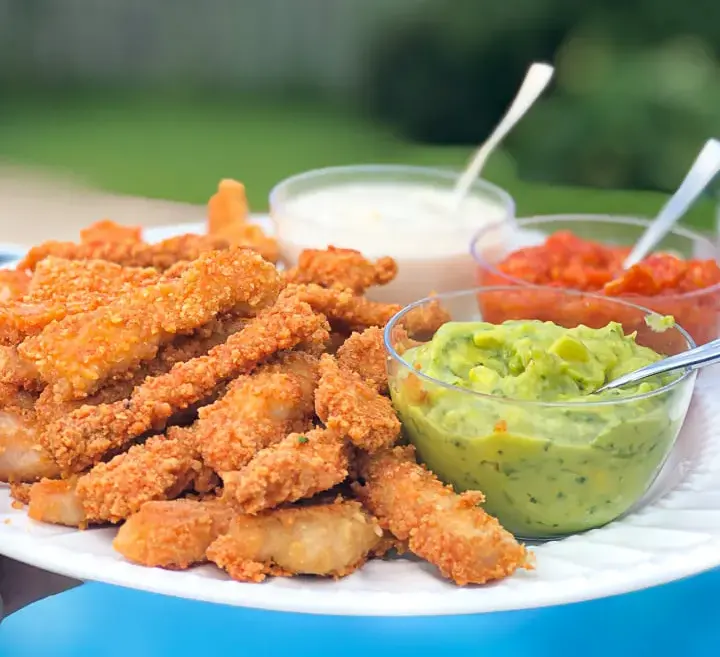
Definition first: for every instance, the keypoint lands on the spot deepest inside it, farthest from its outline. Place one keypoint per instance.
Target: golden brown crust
(173, 534)
(228, 219)
(82, 437)
(257, 411)
(162, 255)
(354, 410)
(160, 469)
(364, 353)
(20, 492)
(62, 280)
(13, 285)
(78, 353)
(327, 540)
(298, 467)
(343, 308)
(109, 231)
(341, 269)
(450, 531)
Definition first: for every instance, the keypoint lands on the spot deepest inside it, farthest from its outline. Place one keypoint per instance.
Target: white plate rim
(698, 478)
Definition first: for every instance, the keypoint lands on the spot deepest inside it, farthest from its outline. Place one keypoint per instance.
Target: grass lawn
(178, 148)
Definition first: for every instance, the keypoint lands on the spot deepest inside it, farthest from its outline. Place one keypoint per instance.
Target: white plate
(675, 534)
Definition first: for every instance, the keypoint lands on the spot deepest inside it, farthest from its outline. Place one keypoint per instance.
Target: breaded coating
(55, 501)
(81, 438)
(328, 540)
(181, 349)
(450, 531)
(160, 469)
(13, 285)
(172, 534)
(228, 219)
(341, 269)
(14, 371)
(422, 321)
(258, 410)
(78, 353)
(298, 467)
(364, 353)
(22, 459)
(20, 319)
(353, 409)
(20, 492)
(61, 279)
(343, 307)
(109, 231)
(61, 288)
(346, 310)
(162, 255)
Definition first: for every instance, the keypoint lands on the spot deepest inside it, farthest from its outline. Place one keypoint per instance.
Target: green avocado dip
(547, 469)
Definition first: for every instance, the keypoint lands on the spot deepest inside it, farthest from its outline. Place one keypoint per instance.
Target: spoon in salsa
(692, 359)
(701, 174)
(536, 79)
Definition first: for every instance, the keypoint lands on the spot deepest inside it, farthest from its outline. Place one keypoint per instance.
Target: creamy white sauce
(413, 223)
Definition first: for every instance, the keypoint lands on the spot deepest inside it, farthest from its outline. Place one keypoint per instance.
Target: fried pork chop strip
(450, 531)
(81, 438)
(173, 534)
(258, 410)
(109, 231)
(298, 467)
(21, 456)
(364, 353)
(13, 285)
(341, 269)
(182, 348)
(14, 371)
(61, 288)
(353, 409)
(228, 219)
(78, 353)
(161, 468)
(329, 540)
(347, 310)
(343, 307)
(20, 492)
(59, 278)
(162, 255)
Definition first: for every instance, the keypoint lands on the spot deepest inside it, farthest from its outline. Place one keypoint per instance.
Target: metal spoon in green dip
(693, 359)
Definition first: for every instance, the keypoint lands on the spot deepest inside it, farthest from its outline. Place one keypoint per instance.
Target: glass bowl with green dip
(510, 408)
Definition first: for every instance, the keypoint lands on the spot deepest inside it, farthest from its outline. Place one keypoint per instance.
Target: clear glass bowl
(698, 311)
(370, 210)
(546, 469)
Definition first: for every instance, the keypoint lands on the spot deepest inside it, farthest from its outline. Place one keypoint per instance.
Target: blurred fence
(248, 44)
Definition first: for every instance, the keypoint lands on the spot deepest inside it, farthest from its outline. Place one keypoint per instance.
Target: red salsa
(663, 282)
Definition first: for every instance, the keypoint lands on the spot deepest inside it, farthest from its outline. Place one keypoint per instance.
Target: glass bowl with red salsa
(585, 252)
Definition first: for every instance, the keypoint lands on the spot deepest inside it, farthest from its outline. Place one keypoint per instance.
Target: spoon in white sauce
(536, 79)
(701, 174)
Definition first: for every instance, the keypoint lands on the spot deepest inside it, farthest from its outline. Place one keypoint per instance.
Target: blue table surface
(678, 620)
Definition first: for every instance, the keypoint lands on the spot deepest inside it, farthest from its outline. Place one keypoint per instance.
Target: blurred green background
(162, 99)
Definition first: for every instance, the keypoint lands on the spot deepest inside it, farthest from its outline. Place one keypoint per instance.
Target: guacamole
(546, 469)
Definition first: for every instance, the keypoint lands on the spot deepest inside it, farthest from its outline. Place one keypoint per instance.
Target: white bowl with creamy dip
(389, 210)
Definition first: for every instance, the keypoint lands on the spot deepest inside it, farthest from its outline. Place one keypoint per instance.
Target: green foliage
(636, 92)
(622, 118)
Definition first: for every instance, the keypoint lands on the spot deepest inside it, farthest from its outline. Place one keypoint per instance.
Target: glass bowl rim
(500, 193)
(392, 352)
(521, 222)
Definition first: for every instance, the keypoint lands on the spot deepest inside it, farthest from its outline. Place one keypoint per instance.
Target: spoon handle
(693, 359)
(536, 79)
(703, 170)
